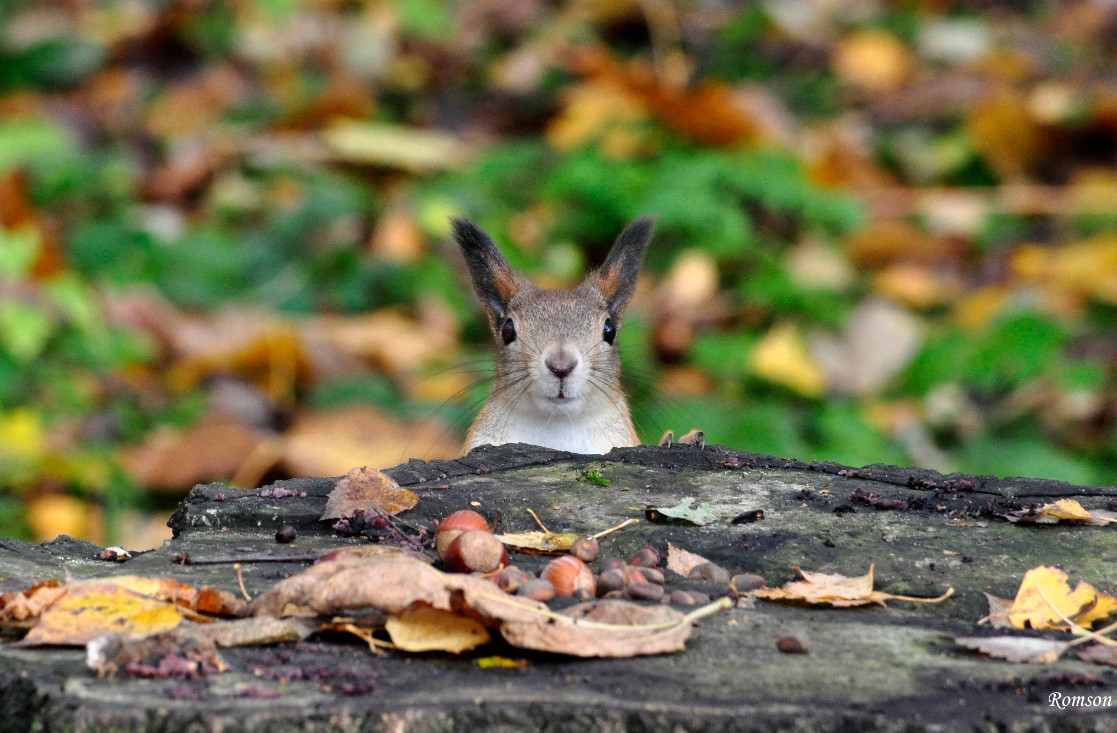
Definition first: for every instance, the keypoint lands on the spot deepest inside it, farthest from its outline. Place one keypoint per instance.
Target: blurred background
(887, 231)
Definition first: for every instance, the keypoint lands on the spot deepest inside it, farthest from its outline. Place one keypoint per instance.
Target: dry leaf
(1016, 648)
(397, 585)
(1045, 599)
(429, 629)
(998, 611)
(837, 590)
(681, 561)
(368, 489)
(629, 630)
(539, 543)
(126, 605)
(1063, 510)
(20, 609)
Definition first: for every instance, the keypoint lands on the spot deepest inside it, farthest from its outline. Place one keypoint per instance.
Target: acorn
(475, 550)
(567, 574)
(585, 549)
(453, 525)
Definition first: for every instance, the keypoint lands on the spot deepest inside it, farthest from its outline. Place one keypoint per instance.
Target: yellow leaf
(1045, 598)
(541, 542)
(781, 357)
(126, 605)
(425, 629)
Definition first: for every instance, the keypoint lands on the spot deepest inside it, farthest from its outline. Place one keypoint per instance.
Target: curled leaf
(837, 590)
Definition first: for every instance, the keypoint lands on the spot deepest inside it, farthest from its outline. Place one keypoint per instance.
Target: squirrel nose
(561, 364)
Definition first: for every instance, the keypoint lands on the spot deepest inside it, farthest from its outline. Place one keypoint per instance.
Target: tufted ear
(493, 279)
(616, 278)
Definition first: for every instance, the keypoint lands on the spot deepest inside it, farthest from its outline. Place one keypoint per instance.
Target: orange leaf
(1045, 598)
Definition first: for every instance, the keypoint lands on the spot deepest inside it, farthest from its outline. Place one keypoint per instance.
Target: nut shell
(475, 551)
(453, 525)
(567, 574)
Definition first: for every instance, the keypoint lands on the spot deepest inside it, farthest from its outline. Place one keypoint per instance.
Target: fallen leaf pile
(159, 627)
(837, 590)
(431, 610)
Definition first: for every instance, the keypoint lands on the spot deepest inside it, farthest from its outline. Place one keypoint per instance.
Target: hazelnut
(646, 591)
(567, 574)
(610, 580)
(585, 549)
(511, 578)
(745, 582)
(648, 557)
(613, 563)
(475, 551)
(710, 571)
(453, 525)
(537, 589)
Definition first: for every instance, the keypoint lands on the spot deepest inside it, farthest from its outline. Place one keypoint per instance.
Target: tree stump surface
(867, 668)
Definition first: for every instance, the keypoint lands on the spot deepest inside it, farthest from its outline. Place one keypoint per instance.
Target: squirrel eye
(609, 333)
(508, 332)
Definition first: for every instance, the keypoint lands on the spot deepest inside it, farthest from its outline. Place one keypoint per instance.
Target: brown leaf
(429, 629)
(682, 561)
(368, 489)
(998, 611)
(20, 609)
(616, 629)
(836, 590)
(1016, 648)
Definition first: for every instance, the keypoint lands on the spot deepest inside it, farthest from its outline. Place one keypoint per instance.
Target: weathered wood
(867, 669)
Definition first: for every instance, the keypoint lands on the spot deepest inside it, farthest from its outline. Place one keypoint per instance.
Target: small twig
(240, 582)
(611, 530)
(537, 521)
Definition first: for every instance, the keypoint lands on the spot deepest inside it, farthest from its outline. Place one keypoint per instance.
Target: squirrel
(557, 373)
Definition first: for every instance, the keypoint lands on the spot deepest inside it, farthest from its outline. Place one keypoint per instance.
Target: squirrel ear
(492, 277)
(616, 278)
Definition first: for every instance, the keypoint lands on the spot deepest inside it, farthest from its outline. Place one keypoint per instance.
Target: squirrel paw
(694, 437)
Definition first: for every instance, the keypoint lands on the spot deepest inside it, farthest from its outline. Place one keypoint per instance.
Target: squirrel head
(557, 355)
